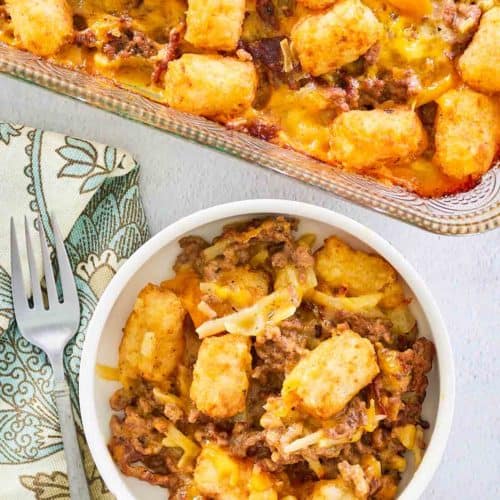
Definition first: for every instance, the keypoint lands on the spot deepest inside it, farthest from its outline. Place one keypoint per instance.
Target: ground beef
(403, 405)
(120, 399)
(402, 88)
(342, 426)
(462, 20)
(371, 56)
(366, 93)
(172, 51)
(261, 130)
(245, 441)
(280, 352)
(129, 42)
(388, 87)
(127, 459)
(374, 329)
(86, 38)
(239, 243)
(349, 420)
(354, 475)
(267, 12)
(191, 252)
(422, 363)
(370, 92)
(267, 51)
(257, 128)
(213, 433)
(427, 114)
(339, 99)
(299, 255)
(138, 431)
(300, 473)
(267, 56)
(173, 412)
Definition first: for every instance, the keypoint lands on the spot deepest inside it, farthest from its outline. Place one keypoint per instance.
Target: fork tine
(35, 280)
(65, 271)
(47, 267)
(18, 291)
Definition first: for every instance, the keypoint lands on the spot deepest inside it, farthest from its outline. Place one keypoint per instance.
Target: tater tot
(335, 489)
(41, 26)
(220, 375)
(153, 338)
(466, 127)
(329, 40)
(361, 140)
(479, 65)
(327, 378)
(215, 24)
(210, 85)
(360, 273)
(220, 475)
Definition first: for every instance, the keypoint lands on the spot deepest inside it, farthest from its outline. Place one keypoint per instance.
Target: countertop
(463, 273)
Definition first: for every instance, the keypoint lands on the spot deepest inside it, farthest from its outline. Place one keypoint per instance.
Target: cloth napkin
(92, 189)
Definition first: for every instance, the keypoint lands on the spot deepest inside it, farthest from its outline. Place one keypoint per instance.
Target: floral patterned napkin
(93, 191)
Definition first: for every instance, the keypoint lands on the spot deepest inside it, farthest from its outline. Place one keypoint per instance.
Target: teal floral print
(82, 161)
(7, 131)
(108, 228)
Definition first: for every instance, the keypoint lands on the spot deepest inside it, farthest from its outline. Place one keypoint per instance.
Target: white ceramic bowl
(153, 262)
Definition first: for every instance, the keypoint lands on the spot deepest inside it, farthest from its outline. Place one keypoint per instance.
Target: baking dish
(474, 211)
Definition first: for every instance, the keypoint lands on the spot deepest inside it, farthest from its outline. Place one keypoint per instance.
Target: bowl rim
(435, 449)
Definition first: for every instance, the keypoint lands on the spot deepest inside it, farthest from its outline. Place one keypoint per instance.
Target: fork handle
(78, 486)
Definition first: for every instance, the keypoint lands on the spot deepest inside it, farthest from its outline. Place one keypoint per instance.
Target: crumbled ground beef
(211, 432)
(374, 329)
(191, 251)
(129, 42)
(342, 426)
(403, 404)
(86, 38)
(462, 20)
(171, 52)
(79, 22)
(427, 114)
(370, 57)
(280, 352)
(128, 459)
(245, 442)
(256, 128)
(267, 12)
(368, 92)
(340, 99)
(422, 364)
(300, 473)
(261, 130)
(266, 51)
(121, 399)
(240, 243)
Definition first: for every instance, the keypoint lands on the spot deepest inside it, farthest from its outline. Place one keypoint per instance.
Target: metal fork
(50, 329)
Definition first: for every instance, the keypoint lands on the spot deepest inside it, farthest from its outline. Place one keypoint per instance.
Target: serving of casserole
(404, 92)
(265, 370)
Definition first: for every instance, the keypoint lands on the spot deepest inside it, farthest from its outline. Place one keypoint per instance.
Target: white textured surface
(463, 273)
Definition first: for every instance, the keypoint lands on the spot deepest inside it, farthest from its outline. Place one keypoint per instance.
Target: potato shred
(264, 370)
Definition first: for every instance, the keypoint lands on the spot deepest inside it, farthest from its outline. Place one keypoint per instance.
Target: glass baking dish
(475, 211)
